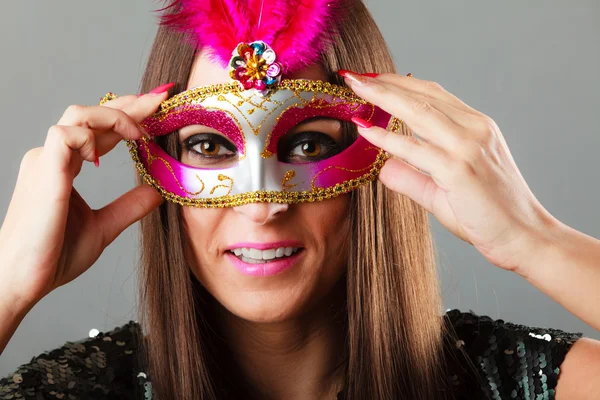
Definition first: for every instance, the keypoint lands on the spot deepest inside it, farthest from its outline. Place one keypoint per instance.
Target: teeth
(268, 254)
(253, 256)
(251, 260)
(255, 253)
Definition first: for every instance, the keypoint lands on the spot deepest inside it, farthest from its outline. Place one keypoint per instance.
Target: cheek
(328, 222)
(201, 226)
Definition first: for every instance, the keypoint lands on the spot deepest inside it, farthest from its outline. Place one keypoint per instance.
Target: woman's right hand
(50, 235)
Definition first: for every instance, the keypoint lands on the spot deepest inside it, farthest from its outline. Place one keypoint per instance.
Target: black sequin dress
(510, 362)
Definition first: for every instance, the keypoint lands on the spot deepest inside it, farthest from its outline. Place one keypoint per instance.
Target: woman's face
(284, 287)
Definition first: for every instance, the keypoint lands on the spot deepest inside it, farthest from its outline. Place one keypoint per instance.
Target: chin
(267, 306)
(272, 299)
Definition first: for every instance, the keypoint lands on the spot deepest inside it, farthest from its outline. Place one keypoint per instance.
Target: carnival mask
(252, 158)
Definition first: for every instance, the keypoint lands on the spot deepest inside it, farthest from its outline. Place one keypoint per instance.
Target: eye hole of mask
(313, 140)
(207, 150)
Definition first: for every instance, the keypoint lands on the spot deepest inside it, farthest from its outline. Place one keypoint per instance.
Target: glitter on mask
(187, 115)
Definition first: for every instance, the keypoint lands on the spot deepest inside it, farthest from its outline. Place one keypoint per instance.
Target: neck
(298, 359)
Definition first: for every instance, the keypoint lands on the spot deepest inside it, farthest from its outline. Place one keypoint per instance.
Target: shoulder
(97, 367)
(508, 360)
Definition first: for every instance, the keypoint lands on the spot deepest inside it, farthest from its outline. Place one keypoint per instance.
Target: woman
(356, 312)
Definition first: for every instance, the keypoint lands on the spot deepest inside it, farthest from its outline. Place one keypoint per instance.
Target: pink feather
(298, 30)
(309, 30)
(211, 23)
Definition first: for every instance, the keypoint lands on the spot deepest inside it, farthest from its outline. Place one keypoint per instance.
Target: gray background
(531, 66)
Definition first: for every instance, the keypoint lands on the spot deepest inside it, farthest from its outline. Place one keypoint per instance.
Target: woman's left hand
(471, 182)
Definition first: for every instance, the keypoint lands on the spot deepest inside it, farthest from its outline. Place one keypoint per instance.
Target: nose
(261, 213)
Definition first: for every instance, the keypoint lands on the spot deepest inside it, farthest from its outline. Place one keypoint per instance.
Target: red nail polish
(353, 77)
(140, 95)
(361, 122)
(409, 75)
(371, 74)
(163, 88)
(97, 159)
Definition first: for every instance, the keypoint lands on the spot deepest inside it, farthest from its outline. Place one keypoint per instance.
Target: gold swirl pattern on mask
(222, 178)
(257, 105)
(266, 154)
(289, 175)
(151, 158)
(275, 106)
(261, 195)
(312, 182)
(255, 130)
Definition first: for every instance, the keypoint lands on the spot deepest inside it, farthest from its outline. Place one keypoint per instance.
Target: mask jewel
(253, 65)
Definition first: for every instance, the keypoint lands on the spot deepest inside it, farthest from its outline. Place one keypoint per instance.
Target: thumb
(130, 207)
(405, 179)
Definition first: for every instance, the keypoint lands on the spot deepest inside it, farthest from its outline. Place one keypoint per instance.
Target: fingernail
(361, 122)
(353, 76)
(97, 159)
(371, 74)
(162, 88)
(140, 95)
(409, 75)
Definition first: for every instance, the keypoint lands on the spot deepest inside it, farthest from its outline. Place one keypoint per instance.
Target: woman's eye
(209, 148)
(209, 145)
(307, 147)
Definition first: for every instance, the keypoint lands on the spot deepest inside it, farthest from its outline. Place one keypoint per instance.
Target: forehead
(207, 72)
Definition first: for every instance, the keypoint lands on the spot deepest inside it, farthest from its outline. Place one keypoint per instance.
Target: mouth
(263, 262)
(251, 255)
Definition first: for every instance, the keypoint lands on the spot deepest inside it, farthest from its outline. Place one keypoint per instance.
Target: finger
(139, 109)
(405, 179)
(101, 119)
(427, 121)
(62, 140)
(422, 155)
(115, 120)
(460, 117)
(125, 210)
(427, 88)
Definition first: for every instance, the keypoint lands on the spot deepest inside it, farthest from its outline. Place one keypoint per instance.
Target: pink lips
(265, 269)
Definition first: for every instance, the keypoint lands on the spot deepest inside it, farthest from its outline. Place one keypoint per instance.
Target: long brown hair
(394, 329)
